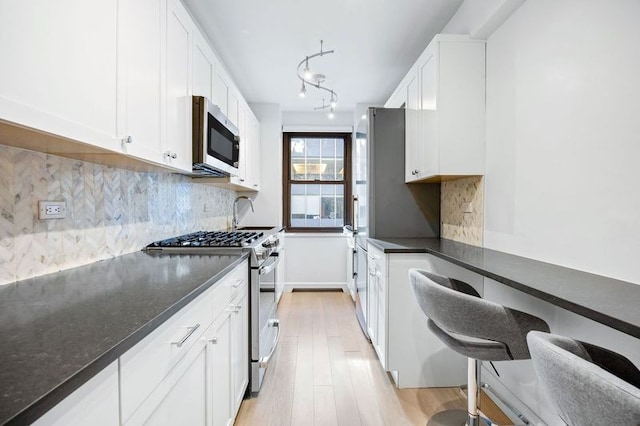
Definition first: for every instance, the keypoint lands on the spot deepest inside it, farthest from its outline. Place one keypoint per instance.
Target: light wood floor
(326, 373)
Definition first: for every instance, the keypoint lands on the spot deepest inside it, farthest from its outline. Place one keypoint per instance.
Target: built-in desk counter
(608, 301)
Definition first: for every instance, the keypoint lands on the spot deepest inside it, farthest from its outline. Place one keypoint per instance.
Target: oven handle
(264, 361)
(264, 270)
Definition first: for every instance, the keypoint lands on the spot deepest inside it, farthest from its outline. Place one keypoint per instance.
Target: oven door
(265, 325)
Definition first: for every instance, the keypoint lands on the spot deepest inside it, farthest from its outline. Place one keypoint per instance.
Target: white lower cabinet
(204, 384)
(398, 327)
(377, 304)
(181, 396)
(239, 350)
(94, 403)
(219, 377)
(192, 370)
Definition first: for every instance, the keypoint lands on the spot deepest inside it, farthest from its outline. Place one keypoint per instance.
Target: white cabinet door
(429, 158)
(233, 108)
(181, 398)
(241, 178)
(219, 338)
(253, 169)
(412, 130)
(94, 403)
(58, 71)
(372, 303)
(239, 351)
(203, 67)
(180, 28)
(381, 335)
(140, 95)
(220, 90)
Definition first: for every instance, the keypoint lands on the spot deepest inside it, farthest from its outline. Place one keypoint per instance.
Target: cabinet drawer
(377, 260)
(144, 366)
(236, 282)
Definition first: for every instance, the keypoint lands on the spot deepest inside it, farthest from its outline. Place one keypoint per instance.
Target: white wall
(268, 201)
(479, 19)
(318, 120)
(563, 143)
(316, 261)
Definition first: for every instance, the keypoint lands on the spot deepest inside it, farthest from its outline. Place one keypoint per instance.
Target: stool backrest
(582, 391)
(455, 309)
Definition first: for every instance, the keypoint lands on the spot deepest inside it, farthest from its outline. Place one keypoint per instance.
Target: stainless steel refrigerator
(384, 205)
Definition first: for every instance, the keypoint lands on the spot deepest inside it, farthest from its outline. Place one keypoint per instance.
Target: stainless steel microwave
(216, 141)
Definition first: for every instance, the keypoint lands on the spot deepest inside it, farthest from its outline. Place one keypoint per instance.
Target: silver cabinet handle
(127, 139)
(237, 283)
(213, 340)
(234, 308)
(189, 333)
(171, 154)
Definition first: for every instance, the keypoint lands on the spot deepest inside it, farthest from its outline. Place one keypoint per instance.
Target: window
(317, 181)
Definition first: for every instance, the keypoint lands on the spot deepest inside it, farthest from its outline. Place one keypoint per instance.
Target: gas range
(260, 246)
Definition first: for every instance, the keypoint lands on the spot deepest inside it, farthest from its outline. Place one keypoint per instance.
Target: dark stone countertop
(59, 330)
(608, 301)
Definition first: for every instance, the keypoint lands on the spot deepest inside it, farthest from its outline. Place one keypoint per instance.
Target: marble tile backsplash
(456, 225)
(109, 211)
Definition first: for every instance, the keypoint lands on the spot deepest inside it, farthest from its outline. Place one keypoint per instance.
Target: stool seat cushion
(582, 391)
(457, 313)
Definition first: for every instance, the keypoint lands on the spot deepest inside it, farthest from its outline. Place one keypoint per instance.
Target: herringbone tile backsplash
(109, 211)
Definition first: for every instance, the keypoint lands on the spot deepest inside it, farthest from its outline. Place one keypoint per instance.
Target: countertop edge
(46, 402)
(594, 315)
(395, 246)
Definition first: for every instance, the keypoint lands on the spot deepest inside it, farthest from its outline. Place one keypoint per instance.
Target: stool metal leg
(472, 392)
(461, 417)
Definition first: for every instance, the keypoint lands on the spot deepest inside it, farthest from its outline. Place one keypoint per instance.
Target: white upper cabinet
(254, 168)
(58, 70)
(412, 148)
(220, 90)
(140, 94)
(113, 77)
(445, 101)
(204, 65)
(154, 81)
(180, 29)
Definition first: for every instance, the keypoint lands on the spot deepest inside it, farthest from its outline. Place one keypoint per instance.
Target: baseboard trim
(315, 286)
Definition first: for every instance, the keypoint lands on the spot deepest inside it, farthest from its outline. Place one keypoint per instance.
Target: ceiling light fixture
(310, 78)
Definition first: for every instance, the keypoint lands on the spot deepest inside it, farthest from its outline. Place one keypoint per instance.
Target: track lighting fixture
(308, 77)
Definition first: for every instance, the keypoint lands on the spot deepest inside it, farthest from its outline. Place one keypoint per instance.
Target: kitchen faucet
(234, 223)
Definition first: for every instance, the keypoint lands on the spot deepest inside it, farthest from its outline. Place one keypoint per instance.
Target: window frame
(287, 182)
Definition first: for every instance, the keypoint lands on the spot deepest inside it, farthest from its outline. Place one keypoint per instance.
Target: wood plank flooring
(324, 372)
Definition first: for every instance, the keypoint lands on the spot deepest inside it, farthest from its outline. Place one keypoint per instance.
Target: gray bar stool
(588, 385)
(474, 327)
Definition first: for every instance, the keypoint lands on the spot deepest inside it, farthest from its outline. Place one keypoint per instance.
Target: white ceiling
(375, 41)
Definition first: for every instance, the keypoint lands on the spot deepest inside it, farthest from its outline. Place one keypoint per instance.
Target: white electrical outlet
(52, 209)
(467, 208)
